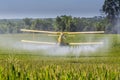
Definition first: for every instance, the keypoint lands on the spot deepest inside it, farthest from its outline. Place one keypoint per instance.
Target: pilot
(61, 39)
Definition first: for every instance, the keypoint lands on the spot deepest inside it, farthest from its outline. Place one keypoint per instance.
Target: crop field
(24, 61)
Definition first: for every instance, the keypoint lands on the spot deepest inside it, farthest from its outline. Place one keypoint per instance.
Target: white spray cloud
(55, 50)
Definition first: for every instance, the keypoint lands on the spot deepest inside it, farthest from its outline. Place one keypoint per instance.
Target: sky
(49, 8)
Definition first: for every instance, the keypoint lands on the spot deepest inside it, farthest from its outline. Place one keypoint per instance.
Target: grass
(21, 64)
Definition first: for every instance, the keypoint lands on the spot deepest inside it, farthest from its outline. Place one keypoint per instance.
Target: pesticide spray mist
(12, 42)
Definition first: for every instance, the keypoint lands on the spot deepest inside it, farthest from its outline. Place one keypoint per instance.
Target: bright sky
(49, 8)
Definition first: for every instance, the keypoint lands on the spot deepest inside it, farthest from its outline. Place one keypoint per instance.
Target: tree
(112, 9)
(59, 24)
(27, 21)
(64, 23)
(40, 24)
(36, 24)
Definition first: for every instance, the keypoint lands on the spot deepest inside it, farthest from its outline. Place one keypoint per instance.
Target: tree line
(109, 24)
(60, 23)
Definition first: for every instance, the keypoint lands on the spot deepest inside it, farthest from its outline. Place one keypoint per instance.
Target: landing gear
(64, 44)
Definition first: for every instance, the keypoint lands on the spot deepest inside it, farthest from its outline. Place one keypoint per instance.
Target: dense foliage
(112, 10)
(60, 23)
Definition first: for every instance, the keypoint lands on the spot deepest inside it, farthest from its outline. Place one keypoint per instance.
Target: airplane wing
(50, 32)
(86, 43)
(88, 32)
(52, 43)
(38, 42)
(38, 31)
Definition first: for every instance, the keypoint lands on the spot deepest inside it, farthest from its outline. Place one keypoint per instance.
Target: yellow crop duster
(62, 37)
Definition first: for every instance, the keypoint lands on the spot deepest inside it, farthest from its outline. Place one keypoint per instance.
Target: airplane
(61, 37)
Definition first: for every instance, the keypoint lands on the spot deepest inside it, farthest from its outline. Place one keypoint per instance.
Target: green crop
(52, 68)
(20, 64)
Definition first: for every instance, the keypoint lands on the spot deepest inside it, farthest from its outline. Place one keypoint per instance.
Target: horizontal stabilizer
(86, 43)
(37, 42)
